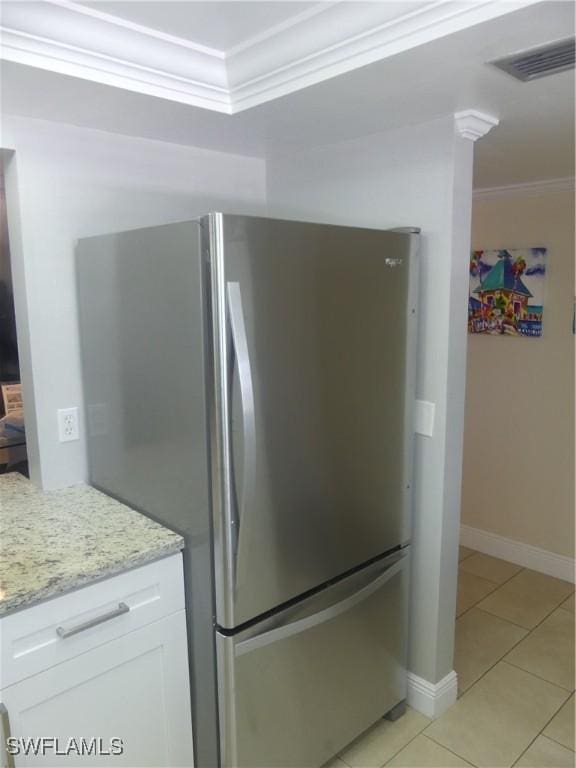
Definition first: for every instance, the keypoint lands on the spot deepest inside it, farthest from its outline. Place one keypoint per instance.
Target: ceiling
(535, 138)
(218, 25)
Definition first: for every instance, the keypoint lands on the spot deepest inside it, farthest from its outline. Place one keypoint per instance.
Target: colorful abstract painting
(507, 292)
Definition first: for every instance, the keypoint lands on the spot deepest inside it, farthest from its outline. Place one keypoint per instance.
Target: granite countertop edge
(58, 541)
(66, 586)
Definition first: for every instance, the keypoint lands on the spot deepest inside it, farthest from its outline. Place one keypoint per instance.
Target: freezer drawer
(297, 688)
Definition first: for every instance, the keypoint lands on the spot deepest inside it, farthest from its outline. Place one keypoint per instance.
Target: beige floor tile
(568, 605)
(425, 753)
(471, 589)
(495, 721)
(464, 552)
(481, 641)
(561, 727)
(545, 753)
(527, 598)
(490, 568)
(548, 651)
(384, 740)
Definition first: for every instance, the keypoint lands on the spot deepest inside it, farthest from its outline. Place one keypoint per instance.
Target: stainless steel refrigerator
(249, 383)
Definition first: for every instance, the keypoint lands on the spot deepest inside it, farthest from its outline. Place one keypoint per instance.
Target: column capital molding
(472, 125)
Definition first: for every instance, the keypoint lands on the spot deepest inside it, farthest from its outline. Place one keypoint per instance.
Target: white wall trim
(472, 125)
(432, 699)
(565, 184)
(537, 559)
(131, 25)
(278, 30)
(42, 53)
(81, 42)
(343, 38)
(320, 43)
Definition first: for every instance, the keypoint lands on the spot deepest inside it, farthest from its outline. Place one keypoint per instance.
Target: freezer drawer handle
(296, 627)
(240, 342)
(63, 632)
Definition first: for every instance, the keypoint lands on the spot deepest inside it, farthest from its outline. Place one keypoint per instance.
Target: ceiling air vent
(539, 62)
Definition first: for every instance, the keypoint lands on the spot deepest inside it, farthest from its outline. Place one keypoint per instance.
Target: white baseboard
(432, 699)
(516, 552)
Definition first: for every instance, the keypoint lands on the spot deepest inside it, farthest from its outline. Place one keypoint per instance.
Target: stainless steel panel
(329, 315)
(297, 688)
(142, 308)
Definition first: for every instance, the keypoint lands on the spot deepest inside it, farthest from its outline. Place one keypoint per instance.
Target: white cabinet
(120, 684)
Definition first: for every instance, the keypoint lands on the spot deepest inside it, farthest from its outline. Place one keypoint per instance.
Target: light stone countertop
(53, 542)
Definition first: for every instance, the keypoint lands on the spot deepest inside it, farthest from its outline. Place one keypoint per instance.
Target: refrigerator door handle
(301, 625)
(240, 342)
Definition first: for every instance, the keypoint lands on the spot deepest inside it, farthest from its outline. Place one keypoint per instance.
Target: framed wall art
(507, 292)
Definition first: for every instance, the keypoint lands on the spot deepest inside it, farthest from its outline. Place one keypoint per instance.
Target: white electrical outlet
(68, 424)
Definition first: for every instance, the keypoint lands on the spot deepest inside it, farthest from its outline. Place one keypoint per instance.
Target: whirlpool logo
(394, 262)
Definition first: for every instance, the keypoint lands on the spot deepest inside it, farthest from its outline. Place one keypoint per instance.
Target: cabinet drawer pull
(8, 760)
(63, 632)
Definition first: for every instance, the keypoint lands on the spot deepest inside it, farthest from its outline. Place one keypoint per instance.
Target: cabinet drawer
(134, 689)
(49, 633)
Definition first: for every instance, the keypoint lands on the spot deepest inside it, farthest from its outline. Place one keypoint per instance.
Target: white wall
(73, 183)
(519, 435)
(417, 176)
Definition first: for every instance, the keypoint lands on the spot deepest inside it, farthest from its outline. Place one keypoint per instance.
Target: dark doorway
(13, 455)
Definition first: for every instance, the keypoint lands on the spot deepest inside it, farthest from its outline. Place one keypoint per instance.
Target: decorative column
(432, 681)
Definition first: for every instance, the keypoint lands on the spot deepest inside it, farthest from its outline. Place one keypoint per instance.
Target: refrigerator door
(311, 421)
(297, 688)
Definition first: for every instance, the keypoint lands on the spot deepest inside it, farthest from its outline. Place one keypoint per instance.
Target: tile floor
(515, 662)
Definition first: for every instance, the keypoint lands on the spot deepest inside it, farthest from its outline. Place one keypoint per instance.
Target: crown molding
(277, 31)
(341, 39)
(565, 184)
(74, 40)
(320, 43)
(88, 65)
(117, 21)
(471, 124)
